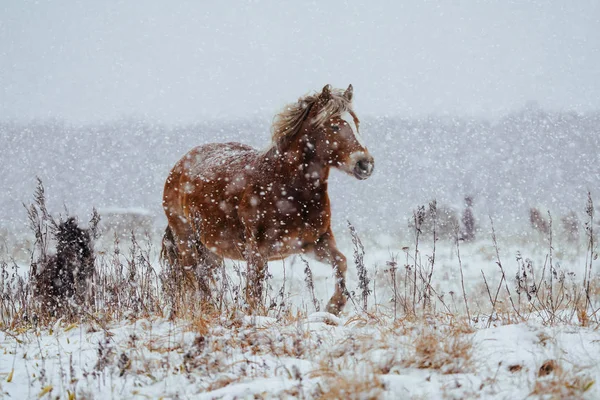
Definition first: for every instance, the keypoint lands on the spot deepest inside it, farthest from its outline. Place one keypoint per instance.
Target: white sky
(187, 61)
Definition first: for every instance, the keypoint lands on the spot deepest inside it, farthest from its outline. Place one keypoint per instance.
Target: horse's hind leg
(183, 257)
(177, 261)
(255, 280)
(256, 269)
(208, 262)
(168, 252)
(196, 261)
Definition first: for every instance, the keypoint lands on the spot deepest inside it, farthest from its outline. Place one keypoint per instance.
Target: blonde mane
(289, 121)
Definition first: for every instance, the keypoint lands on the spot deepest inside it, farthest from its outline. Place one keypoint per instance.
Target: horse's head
(336, 136)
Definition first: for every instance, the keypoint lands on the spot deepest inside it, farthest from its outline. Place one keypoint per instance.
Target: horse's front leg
(325, 250)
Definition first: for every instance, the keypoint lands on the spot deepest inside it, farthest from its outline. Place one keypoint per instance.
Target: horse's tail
(168, 252)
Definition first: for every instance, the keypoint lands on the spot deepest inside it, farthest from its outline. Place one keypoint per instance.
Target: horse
(229, 200)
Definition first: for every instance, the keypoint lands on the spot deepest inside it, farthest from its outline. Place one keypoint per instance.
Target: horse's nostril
(363, 164)
(363, 168)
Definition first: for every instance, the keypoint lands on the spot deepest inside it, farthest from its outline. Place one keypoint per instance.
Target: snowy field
(468, 320)
(489, 111)
(296, 351)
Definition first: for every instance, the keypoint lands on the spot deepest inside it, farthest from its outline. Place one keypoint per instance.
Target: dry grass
(126, 286)
(73, 283)
(363, 384)
(556, 381)
(450, 351)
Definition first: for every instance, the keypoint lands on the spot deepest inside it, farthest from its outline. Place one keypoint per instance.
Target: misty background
(497, 100)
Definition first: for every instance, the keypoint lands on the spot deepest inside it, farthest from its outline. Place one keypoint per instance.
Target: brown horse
(228, 200)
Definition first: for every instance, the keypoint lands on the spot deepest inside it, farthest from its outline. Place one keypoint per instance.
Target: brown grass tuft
(515, 368)
(549, 367)
(364, 385)
(449, 352)
(556, 382)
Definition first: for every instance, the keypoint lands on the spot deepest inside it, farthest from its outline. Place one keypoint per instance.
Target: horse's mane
(288, 122)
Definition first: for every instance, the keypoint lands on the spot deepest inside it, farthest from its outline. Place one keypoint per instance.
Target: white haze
(498, 99)
(188, 61)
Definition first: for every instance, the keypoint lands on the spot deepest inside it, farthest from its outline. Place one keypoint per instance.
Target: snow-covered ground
(309, 357)
(300, 352)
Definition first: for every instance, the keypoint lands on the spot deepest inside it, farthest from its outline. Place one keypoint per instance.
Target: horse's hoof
(325, 317)
(334, 309)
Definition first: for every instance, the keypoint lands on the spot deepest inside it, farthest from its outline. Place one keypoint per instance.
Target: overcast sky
(187, 61)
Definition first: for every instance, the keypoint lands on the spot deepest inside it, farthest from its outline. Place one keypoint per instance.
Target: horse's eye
(335, 127)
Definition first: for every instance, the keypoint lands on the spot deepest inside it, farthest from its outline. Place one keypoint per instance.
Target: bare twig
(462, 278)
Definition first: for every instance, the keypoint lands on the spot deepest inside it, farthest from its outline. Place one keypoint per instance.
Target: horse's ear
(349, 93)
(325, 95)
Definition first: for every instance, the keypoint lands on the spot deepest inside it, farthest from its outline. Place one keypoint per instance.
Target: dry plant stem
(393, 268)
(40, 221)
(520, 285)
(375, 289)
(308, 279)
(539, 285)
(462, 278)
(492, 301)
(433, 214)
(359, 253)
(552, 272)
(418, 217)
(539, 311)
(430, 288)
(588, 265)
(281, 293)
(495, 297)
(225, 286)
(541, 308)
(441, 300)
(393, 272)
(406, 284)
(503, 278)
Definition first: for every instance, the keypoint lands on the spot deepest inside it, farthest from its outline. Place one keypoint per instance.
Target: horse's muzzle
(364, 167)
